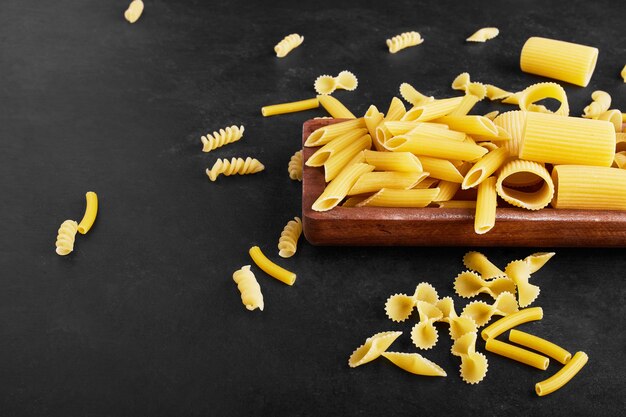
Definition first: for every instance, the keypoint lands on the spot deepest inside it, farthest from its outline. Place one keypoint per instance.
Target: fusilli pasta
(223, 137)
(288, 242)
(234, 166)
(66, 236)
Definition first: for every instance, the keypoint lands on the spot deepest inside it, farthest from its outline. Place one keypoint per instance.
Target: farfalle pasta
(459, 325)
(65, 237)
(234, 166)
(411, 95)
(288, 241)
(287, 44)
(424, 334)
(474, 364)
(414, 363)
(373, 347)
(295, 166)
(483, 35)
(404, 40)
(327, 84)
(469, 284)
(400, 306)
(519, 273)
(248, 286)
(481, 312)
(478, 262)
(223, 137)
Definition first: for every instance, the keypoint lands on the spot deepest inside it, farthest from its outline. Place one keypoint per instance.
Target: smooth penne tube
(485, 166)
(485, 217)
(91, 211)
(448, 189)
(533, 342)
(517, 354)
(512, 320)
(270, 268)
(436, 148)
(564, 61)
(472, 125)
(374, 181)
(531, 200)
(431, 131)
(541, 91)
(388, 197)
(396, 110)
(399, 127)
(432, 110)
(563, 376)
(567, 140)
(456, 204)
(441, 169)
(335, 108)
(292, 107)
(334, 146)
(411, 95)
(338, 188)
(325, 134)
(334, 164)
(587, 187)
(372, 119)
(393, 161)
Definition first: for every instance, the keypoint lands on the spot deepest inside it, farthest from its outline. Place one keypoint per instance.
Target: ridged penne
(404, 40)
(372, 119)
(441, 169)
(541, 91)
(325, 134)
(334, 146)
(223, 137)
(512, 320)
(388, 197)
(472, 125)
(372, 182)
(484, 167)
(486, 202)
(393, 161)
(234, 166)
(448, 189)
(248, 286)
(396, 110)
(335, 108)
(398, 127)
(591, 188)
(517, 354)
(373, 347)
(134, 11)
(483, 35)
(65, 237)
(414, 363)
(563, 376)
(531, 200)
(336, 163)
(287, 44)
(295, 166)
(284, 108)
(436, 148)
(434, 131)
(432, 109)
(412, 96)
(338, 188)
(288, 241)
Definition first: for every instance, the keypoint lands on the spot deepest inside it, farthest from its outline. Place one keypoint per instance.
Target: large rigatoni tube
(528, 199)
(567, 140)
(560, 60)
(562, 377)
(586, 187)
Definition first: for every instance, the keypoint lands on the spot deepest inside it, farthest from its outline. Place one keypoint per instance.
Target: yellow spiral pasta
(134, 11)
(483, 35)
(234, 166)
(404, 40)
(601, 103)
(533, 200)
(249, 288)
(223, 137)
(288, 242)
(65, 237)
(288, 43)
(295, 166)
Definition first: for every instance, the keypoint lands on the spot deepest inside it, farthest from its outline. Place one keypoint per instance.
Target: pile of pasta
(482, 276)
(436, 154)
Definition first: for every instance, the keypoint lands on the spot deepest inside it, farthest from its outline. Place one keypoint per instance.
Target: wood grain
(375, 226)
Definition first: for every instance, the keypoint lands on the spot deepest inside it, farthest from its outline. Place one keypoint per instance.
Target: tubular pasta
(563, 376)
(337, 162)
(404, 40)
(512, 320)
(373, 118)
(473, 364)
(560, 60)
(338, 188)
(586, 187)
(476, 261)
(414, 97)
(469, 284)
(601, 103)
(65, 237)
(134, 11)
(434, 131)
(533, 200)
(484, 34)
(296, 106)
(441, 169)
(492, 115)
(619, 161)
(448, 189)
(486, 202)
(496, 93)
(223, 137)
(614, 116)
(481, 312)
(424, 334)
(288, 43)
(325, 134)
(382, 135)
(91, 211)
(295, 166)
(396, 110)
(468, 102)
(513, 122)
(270, 268)
(388, 197)
(537, 92)
(432, 109)
(513, 98)
(414, 363)
(472, 125)
(335, 146)
(519, 273)
(436, 148)
(540, 345)
(373, 347)
(375, 181)
(288, 241)
(248, 286)
(335, 108)
(393, 161)
(517, 354)
(234, 166)
(484, 167)
(427, 183)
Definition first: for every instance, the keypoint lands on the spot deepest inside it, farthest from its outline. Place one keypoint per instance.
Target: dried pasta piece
(65, 237)
(619, 160)
(512, 320)
(537, 260)
(336, 163)
(560, 60)
(448, 189)
(326, 134)
(335, 108)
(531, 200)
(223, 137)
(326, 84)
(338, 188)
(338, 144)
(424, 334)
(373, 119)
(459, 325)
(513, 98)
(540, 345)
(586, 187)
(372, 182)
(373, 347)
(474, 364)
(388, 197)
(234, 166)
(426, 292)
(284, 108)
(492, 115)
(469, 284)
(513, 122)
(482, 312)
(476, 92)
(414, 363)
(431, 110)
(399, 307)
(134, 11)
(289, 43)
(426, 131)
(615, 117)
(396, 110)
(91, 211)
(478, 262)
(496, 93)
(249, 288)
(483, 35)
(288, 241)
(540, 91)
(270, 267)
(404, 40)
(601, 103)
(519, 273)
(563, 376)
(353, 201)
(623, 73)
(456, 204)
(441, 169)
(393, 161)
(295, 166)
(461, 82)
(484, 167)
(486, 202)
(411, 95)
(435, 148)
(517, 354)
(472, 125)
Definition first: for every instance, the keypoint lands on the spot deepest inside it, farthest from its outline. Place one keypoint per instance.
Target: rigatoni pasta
(586, 187)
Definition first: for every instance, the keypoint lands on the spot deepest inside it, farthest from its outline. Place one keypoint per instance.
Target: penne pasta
(448, 189)
(373, 118)
(396, 110)
(372, 182)
(434, 131)
(484, 167)
(492, 115)
(334, 164)
(335, 108)
(436, 148)
(338, 188)
(334, 146)
(325, 134)
(441, 169)
(398, 127)
(388, 197)
(456, 204)
(432, 109)
(587, 187)
(292, 107)
(485, 217)
(472, 125)
(393, 161)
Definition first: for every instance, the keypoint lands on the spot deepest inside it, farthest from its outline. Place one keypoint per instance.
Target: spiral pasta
(295, 166)
(134, 11)
(234, 166)
(288, 43)
(66, 236)
(223, 137)
(249, 288)
(404, 40)
(288, 242)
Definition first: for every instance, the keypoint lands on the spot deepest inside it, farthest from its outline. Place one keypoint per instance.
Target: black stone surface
(143, 319)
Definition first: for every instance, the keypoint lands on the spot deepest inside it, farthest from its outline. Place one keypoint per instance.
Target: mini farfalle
(519, 272)
(288, 43)
(295, 166)
(473, 364)
(223, 137)
(478, 262)
(459, 325)
(483, 35)
(414, 363)
(373, 347)
(469, 284)
(327, 84)
(424, 334)
(411, 95)
(404, 40)
(482, 312)
(234, 166)
(400, 306)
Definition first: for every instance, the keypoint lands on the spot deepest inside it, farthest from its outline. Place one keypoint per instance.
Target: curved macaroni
(134, 11)
(533, 200)
(65, 237)
(373, 347)
(540, 345)
(424, 334)
(91, 211)
(249, 288)
(482, 312)
(234, 166)
(474, 364)
(469, 284)
(563, 376)
(512, 320)
(288, 242)
(404, 40)
(270, 267)
(483, 35)
(223, 137)
(540, 91)
(414, 363)
(517, 354)
(288, 43)
(295, 166)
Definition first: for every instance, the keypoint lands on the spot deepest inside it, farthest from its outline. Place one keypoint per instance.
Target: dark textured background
(143, 319)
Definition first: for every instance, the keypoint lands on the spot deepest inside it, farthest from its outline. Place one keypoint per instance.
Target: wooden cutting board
(379, 226)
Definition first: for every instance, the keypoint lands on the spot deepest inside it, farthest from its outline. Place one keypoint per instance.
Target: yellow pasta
(393, 161)
(270, 268)
(540, 345)
(396, 110)
(249, 288)
(448, 189)
(483, 35)
(399, 307)
(531, 200)
(469, 284)
(481, 312)
(623, 73)
(373, 118)
(338, 188)
(496, 93)
(474, 364)
(382, 135)
(434, 131)
(614, 116)
(284, 108)
(619, 161)
(234, 166)
(459, 325)
(512, 320)
(432, 109)
(65, 237)
(560, 60)
(472, 125)
(375, 181)
(134, 11)
(537, 92)
(388, 197)
(336, 163)
(289, 43)
(484, 167)
(424, 334)
(563, 376)
(335, 146)
(91, 211)
(486, 203)
(427, 182)
(537, 260)
(288, 241)
(295, 166)
(223, 137)
(326, 84)
(492, 115)
(461, 82)
(414, 363)
(620, 142)
(513, 122)
(436, 148)
(456, 204)
(335, 108)
(517, 354)
(411, 95)
(404, 40)
(441, 169)
(592, 188)
(373, 347)
(325, 134)
(601, 103)
(513, 98)
(476, 261)
(519, 273)
(426, 292)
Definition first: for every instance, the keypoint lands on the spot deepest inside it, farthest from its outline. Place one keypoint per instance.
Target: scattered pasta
(517, 354)
(512, 320)
(288, 43)
(223, 137)
(134, 11)
(372, 348)
(424, 334)
(404, 40)
(563, 376)
(414, 363)
(600, 104)
(249, 288)
(519, 273)
(483, 35)
(91, 211)
(295, 166)
(540, 345)
(270, 268)
(474, 364)
(469, 284)
(327, 84)
(482, 312)
(288, 242)
(293, 107)
(234, 166)
(65, 237)
(623, 73)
